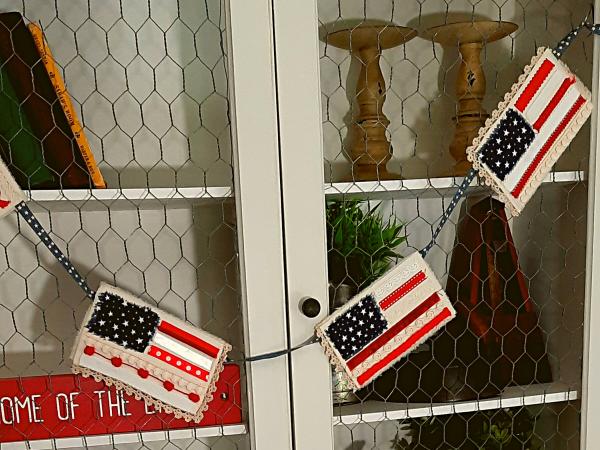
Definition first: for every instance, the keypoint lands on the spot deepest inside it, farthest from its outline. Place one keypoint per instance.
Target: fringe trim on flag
(159, 405)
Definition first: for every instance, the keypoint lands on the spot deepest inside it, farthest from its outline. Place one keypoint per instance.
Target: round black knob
(310, 307)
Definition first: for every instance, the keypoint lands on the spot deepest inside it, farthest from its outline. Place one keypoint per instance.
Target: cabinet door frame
(255, 135)
(590, 404)
(301, 153)
(299, 109)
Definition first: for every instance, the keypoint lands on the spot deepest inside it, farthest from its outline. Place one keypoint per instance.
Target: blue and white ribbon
(36, 226)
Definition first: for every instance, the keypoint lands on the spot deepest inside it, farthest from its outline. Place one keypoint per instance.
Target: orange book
(67, 105)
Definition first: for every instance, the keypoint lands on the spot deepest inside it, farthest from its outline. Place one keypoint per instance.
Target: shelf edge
(125, 438)
(455, 408)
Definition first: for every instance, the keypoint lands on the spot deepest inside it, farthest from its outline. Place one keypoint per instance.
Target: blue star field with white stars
(357, 327)
(507, 143)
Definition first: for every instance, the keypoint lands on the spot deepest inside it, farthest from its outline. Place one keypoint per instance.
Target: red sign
(59, 406)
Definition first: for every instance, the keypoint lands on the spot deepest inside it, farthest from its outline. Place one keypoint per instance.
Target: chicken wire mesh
(148, 81)
(404, 86)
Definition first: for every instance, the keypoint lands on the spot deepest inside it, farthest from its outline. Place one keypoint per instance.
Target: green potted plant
(501, 429)
(361, 244)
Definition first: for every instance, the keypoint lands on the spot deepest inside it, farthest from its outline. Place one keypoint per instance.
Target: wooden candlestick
(470, 37)
(369, 147)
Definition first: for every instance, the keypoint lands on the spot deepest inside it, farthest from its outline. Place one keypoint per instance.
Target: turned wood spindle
(368, 146)
(470, 37)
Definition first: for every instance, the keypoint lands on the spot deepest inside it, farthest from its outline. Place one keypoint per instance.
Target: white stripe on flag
(401, 337)
(544, 95)
(183, 351)
(513, 178)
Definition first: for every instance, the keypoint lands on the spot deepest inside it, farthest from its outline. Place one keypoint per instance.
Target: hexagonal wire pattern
(550, 235)
(148, 81)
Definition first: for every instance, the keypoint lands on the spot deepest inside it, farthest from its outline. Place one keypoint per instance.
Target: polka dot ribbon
(35, 225)
(453, 203)
(568, 39)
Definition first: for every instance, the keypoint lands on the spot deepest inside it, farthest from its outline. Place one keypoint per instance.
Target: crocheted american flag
(386, 321)
(168, 362)
(10, 192)
(519, 148)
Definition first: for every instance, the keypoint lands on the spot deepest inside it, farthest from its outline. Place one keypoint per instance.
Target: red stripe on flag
(404, 289)
(404, 347)
(560, 93)
(538, 158)
(189, 339)
(393, 331)
(534, 85)
(178, 363)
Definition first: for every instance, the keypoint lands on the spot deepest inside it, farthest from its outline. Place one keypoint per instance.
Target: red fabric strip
(389, 334)
(189, 339)
(403, 347)
(404, 289)
(538, 158)
(137, 369)
(178, 363)
(558, 95)
(534, 85)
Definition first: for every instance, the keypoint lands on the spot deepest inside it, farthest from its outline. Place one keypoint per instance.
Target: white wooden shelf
(131, 194)
(126, 438)
(409, 188)
(511, 397)
(412, 188)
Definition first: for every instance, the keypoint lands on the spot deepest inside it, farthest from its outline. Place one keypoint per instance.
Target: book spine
(40, 103)
(67, 105)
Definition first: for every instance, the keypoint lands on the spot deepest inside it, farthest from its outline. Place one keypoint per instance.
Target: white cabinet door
(318, 110)
(591, 392)
(296, 62)
(259, 207)
(178, 100)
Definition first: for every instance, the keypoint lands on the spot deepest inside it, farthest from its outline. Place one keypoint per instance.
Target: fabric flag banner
(530, 129)
(10, 192)
(149, 354)
(385, 321)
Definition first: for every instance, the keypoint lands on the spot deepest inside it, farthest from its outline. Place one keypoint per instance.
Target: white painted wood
(431, 187)
(258, 202)
(513, 397)
(125, 438)
(109, 195)
(393, 188)
(590, 404)
(297, 66)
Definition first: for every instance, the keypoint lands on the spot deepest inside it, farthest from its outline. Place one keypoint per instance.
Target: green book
(21, 150)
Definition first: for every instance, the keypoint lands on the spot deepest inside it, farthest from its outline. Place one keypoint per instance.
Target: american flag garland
(10, 193)
(149, 353)
(386, 321)
(174, 366)
(530, 129)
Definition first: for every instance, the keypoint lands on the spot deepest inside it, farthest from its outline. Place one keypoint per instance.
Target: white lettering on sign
(36, 408)
(149, 408)
(6, 405)
(65, 405)
(100, 407)
(116, 404)
(14, 410)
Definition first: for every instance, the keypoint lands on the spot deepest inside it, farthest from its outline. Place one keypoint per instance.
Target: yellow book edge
(67, 105)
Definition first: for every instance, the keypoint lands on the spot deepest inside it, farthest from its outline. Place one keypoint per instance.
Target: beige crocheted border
(159, 405)
(516, 204)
